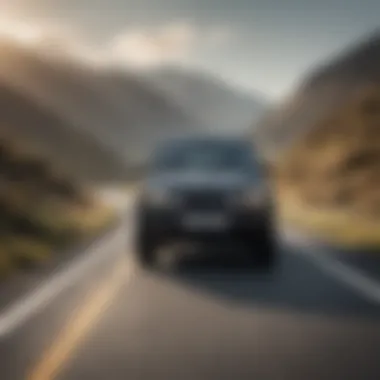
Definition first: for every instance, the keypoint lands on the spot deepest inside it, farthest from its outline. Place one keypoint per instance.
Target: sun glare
(50, 40)
(20, 32)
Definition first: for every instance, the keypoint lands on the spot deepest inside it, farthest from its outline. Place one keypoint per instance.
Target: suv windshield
(204, 155)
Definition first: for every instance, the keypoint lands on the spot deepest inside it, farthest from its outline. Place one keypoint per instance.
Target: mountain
(42, 211)
(327, 139)
(217, 105)
(325, 89)
(38, 129)
(115, 109)
(98, 120)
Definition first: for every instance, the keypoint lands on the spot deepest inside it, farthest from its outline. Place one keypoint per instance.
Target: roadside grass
(50, 233)
(53, 233)
(336, 226)
(42, 212)
(26, 252)
(6, 263)
(335, 167)
(83, 221)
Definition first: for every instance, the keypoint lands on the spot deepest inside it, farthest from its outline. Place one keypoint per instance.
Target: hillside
(42, 212)
(328, 170)
(117, 115)
(116, 109)
(32, 124)
(217, 105)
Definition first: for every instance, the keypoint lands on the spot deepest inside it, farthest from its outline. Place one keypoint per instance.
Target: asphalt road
(210, 315)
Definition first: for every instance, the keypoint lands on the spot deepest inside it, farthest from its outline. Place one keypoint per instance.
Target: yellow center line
(80, 324)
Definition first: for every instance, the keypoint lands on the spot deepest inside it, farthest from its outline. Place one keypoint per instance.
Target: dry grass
(89, 221)
(25, 251)
(42, 212)
(6, 263)
(337, 226)
(59, 231)
(328, 182)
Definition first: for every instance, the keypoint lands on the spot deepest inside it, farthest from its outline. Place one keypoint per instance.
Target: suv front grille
(204, 200)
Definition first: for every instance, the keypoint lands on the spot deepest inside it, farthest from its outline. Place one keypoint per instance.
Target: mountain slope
(319, 94)
(331, 159)
(117, 109)
(37, 128)
(114, 117)
(217, 105)
(42, 212)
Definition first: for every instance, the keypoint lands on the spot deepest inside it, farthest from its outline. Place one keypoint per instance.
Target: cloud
(220, 35)
(38, 36)
(51, 40)
(21, 32)
(173, 42)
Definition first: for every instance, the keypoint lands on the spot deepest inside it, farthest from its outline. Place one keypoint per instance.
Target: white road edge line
(355, 279)
(35, 301)
(21, 311)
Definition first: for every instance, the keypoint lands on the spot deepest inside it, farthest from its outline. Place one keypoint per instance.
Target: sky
(260, 45)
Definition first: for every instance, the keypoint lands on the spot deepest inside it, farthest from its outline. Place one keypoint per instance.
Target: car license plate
(205, 221)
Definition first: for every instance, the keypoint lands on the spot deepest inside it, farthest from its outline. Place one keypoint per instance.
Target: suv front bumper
(171, 223)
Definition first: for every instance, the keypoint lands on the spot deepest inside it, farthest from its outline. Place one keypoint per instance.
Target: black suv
(205, 188)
